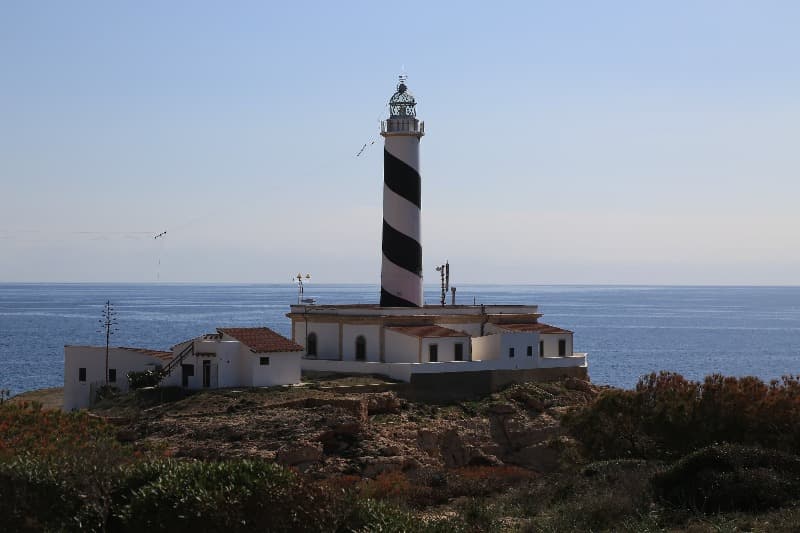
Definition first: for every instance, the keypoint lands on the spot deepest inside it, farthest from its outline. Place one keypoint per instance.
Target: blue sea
(628, 331)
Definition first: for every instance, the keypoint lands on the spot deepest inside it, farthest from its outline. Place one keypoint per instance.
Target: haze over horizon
(619, 143)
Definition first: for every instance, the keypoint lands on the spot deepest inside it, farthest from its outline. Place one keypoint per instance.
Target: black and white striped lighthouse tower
(401, 269)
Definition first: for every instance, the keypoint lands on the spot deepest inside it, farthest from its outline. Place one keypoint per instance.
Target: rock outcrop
(365, 434)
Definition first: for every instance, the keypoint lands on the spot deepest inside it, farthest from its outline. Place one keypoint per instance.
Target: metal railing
(177, 360)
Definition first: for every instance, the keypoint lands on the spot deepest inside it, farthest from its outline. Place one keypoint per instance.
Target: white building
(84, 367)
(232, 357)
(236, 357)
(401, 336)
(401, 341)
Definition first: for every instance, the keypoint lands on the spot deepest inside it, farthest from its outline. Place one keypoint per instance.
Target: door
(187, 371)
(206, 374)
(361, 348)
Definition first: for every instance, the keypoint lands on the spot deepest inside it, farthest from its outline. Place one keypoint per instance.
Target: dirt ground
(49, 398)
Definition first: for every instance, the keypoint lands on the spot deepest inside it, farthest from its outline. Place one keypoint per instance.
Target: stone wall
(456, 386)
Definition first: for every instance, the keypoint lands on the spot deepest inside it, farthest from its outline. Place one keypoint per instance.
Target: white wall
(283, 369)
(485, 348)
(229, 364)
(224, 360)
(446, 348)
(371, 334)
(551, 343)
(327, 337)
(400, 348)
(93, 359)
(520, 342)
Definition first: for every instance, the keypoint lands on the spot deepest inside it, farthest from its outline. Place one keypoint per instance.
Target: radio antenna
(444, 271)
(299, 277)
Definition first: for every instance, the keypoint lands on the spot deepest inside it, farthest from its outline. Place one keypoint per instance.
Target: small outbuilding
(231, 357)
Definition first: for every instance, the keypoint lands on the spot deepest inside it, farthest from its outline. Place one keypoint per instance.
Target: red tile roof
(262, 340)
(427, 331)
(537, 327)
(158, 354)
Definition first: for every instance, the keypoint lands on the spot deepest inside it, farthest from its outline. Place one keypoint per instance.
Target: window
(112, 375)
(263, 361)
(562, 347)
(81, 374)
(311, 344)
(433, 353)
(459, 354)
(530, 351)
(541, 348)
(511, 352)
(361, 348)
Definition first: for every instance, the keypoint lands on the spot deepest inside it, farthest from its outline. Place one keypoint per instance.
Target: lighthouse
(399, 337)
(401, 267)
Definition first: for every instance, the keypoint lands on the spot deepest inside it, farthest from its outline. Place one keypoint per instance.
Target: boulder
(428, 441)
(293, 455)
(453, 451)
(383, 403)
(375, 466)
(539, 457)
(340, 436)
(484, 460)
(521, 432)
(501, 409)
(389, 451)
(580, 385)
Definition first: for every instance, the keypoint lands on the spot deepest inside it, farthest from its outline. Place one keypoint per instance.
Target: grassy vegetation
(671, 455)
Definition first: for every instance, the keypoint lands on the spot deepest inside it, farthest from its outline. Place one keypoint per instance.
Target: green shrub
(368, 515)
(731, 478)
(667, 416)
(227, 496)
(36, 495)
(27, 428)
(131, 479)
(146, 378)
(610, 428)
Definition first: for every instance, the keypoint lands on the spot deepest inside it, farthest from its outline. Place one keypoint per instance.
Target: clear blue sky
(567, 142)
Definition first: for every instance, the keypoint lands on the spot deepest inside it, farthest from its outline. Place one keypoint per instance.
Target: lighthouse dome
(402, 103)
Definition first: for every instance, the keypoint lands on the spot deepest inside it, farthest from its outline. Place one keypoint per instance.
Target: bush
(368, 515)
(106, 392)
(36, 496)
(146, 378)
(56, 468)
(667, 416)
(227, 496)
(485, 480)
(388, 486)
(610, 428)
(51, 433)
(731, 478)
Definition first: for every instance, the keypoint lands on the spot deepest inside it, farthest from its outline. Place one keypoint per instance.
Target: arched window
(361, 348)
(311, 344)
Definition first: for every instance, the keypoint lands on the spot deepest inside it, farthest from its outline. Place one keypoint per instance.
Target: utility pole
(108, 323)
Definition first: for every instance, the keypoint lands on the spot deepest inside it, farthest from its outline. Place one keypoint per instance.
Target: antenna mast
(299, 277)
(444, 271)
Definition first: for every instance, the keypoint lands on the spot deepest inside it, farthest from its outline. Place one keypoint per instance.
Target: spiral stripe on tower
(401, 268)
